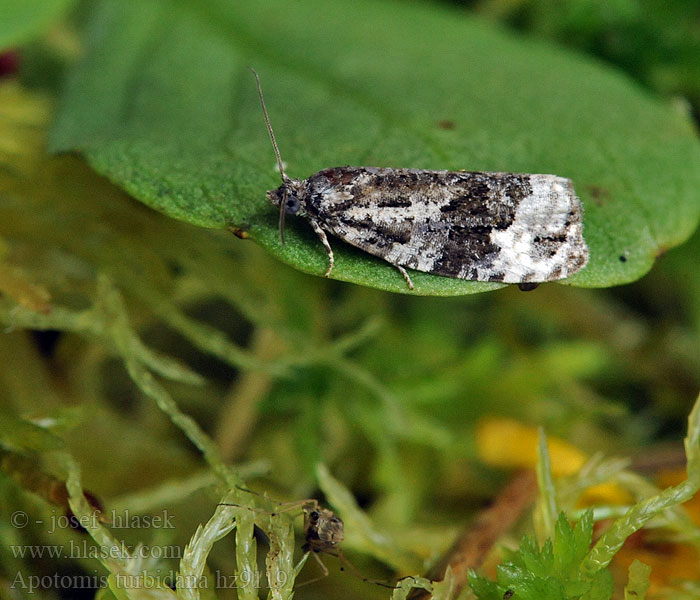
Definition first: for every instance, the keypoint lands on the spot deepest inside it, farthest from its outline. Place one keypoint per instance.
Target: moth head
(322, 529)
(289, 197)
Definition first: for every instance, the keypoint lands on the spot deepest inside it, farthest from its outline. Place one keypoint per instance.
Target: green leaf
(638, 581)
(582, 536)
(571, 544)
(602, 587)
(552, 571)
(540, 589)
(23, 19)
(21, 435)
(546, 511)
(163, 104)
(565, 545)
(483, 588)
(539, 561)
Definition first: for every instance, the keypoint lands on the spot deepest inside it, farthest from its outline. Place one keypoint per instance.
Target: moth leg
(324, 569)
(405, 276)
(324, 240)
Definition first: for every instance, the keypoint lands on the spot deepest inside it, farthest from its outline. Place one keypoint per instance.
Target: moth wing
(471, 225)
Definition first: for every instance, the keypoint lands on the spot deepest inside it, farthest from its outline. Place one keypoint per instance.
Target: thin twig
(473, 546)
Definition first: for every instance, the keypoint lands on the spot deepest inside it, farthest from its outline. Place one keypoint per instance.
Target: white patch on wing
(336, 196)
(418, 212)
(542, 214)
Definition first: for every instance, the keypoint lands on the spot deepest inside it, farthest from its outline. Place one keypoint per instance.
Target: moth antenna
(269, 126)
(280, 165)
(353, 570)
(283, 204)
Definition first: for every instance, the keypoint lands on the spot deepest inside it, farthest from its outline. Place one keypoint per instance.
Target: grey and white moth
(501, 227)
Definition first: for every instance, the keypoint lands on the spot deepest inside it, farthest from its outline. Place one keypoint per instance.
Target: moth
(323, 533)
(501, 227)
(323, 529)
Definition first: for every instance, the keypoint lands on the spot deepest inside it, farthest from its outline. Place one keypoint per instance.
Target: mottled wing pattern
(479, 226)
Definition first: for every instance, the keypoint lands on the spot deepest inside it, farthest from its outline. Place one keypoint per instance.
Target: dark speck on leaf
(446, 124)
(240, 232)
(599, 194)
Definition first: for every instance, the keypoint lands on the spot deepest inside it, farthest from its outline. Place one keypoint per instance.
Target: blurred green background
(108, 306)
